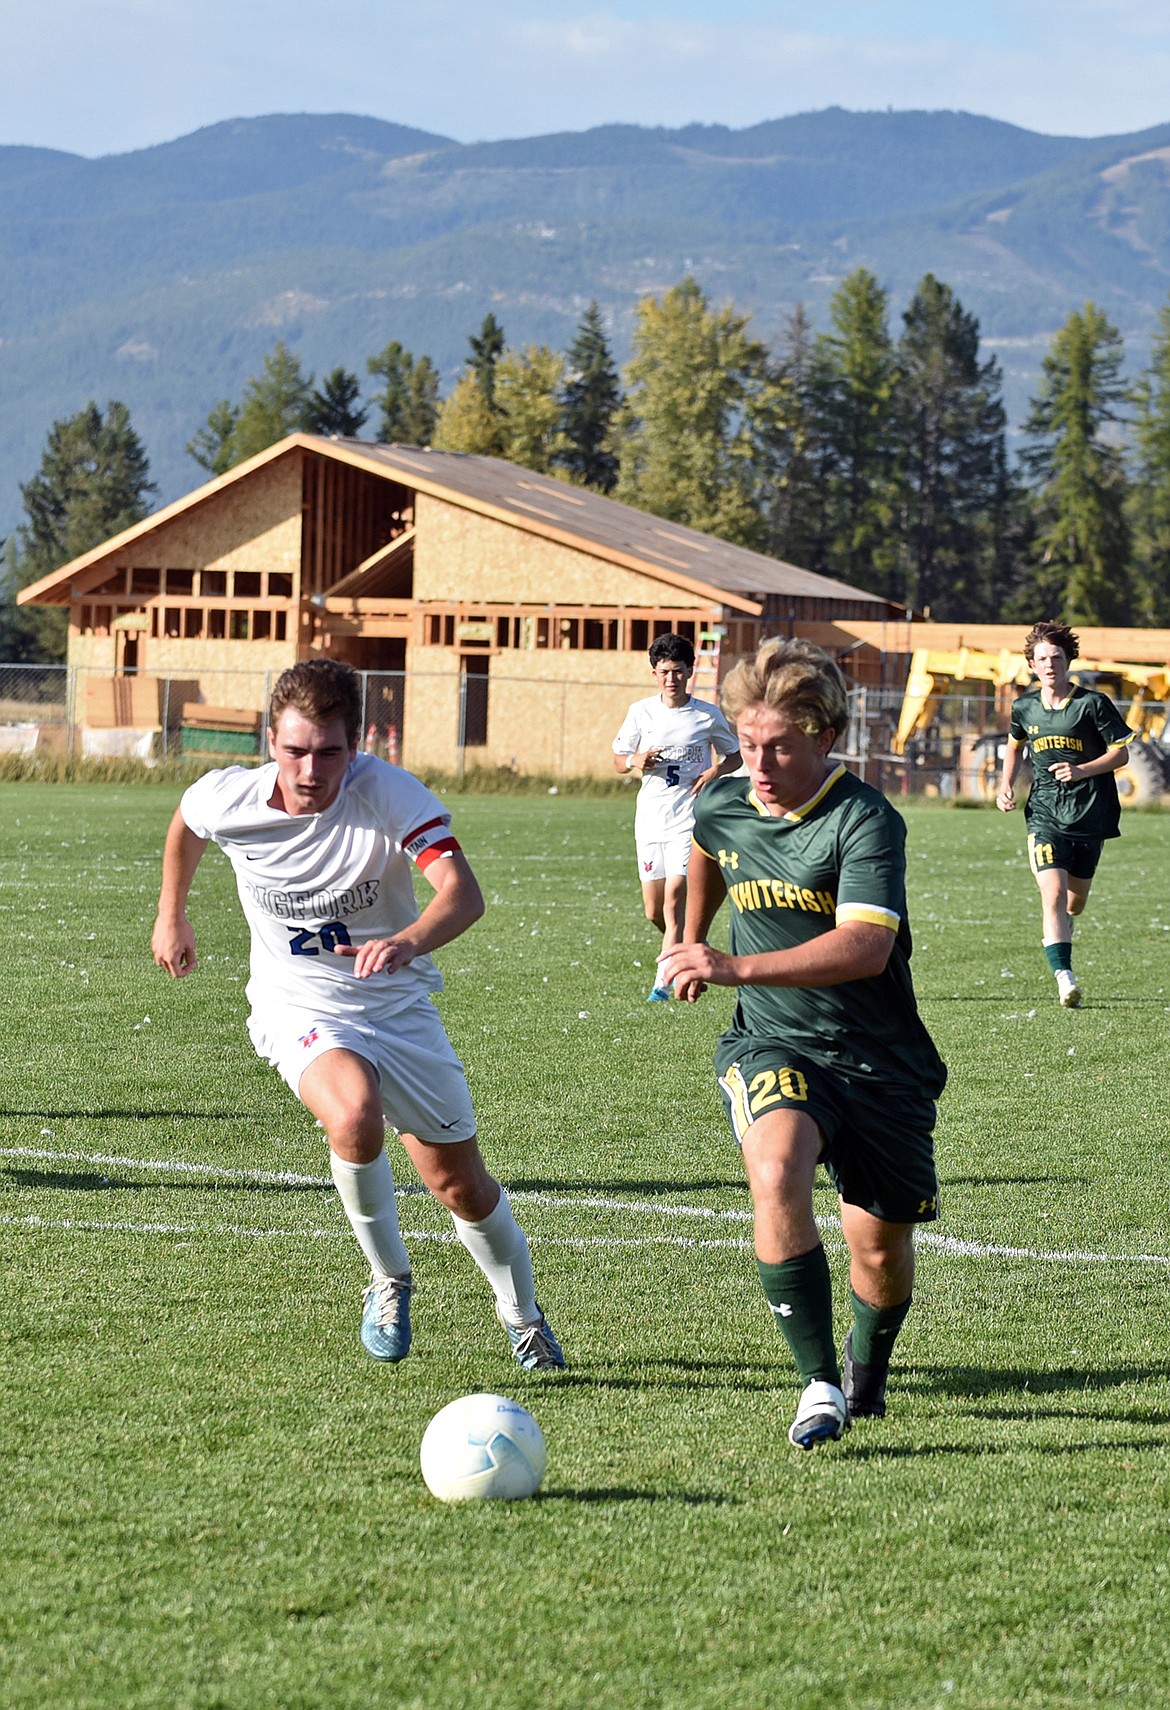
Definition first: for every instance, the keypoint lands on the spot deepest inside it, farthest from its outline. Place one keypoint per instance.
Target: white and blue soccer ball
(483, 1447)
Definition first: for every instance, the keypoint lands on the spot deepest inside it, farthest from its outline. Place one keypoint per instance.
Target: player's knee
(888, 1264)
(356, 1135)
(779, 1180)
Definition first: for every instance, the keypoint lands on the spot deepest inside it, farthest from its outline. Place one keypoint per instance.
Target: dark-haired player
(667, 740)
(1077, 740)
(826, 1059)
(321, 841)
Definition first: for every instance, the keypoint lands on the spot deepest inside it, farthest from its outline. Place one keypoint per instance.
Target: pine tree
(951, 426)
(487, 347)
(590, 402)
(29, 635)
(796, 453)
(94, 481)
(858, 366)
(528, 402)
(409, 399)
(697, 388)
(214, 446)
(1082, 543)
(275, 403)
(334, 407)
(1150, 497)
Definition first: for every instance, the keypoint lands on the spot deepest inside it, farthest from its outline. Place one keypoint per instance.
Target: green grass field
(211, 1496)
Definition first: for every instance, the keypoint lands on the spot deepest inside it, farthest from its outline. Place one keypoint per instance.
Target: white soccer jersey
(684, 737)
(309, 882)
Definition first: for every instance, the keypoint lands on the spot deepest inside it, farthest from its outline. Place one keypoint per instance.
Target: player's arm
(456, 905)
(855, 950)
(637, 763)
(172, 942)
(705, 894)
(1013, 756)
(721, 769)
(1113, 759)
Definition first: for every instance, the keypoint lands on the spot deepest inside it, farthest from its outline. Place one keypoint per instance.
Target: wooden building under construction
(505, 615)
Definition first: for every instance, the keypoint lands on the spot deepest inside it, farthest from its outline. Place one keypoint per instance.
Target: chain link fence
(465, 720)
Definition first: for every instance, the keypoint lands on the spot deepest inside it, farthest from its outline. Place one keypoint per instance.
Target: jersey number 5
(329, 936)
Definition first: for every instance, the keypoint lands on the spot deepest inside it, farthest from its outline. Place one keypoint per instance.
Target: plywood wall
(459, 555)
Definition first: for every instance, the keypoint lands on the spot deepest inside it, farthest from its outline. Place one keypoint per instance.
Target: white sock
(498, 1245)
(367, 1193)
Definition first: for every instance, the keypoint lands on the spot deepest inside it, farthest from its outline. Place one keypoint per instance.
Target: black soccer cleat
(864, 1386)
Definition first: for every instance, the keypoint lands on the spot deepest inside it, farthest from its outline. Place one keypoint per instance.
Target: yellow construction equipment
(935, 672)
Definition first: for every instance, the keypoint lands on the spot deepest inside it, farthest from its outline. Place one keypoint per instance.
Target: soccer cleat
(534, 1347)
(659, 994)
(386, 1318)
(821, 1416)
(1067, 991)
(864, 1387)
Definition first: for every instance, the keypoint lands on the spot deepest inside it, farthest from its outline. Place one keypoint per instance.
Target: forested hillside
(162, 277)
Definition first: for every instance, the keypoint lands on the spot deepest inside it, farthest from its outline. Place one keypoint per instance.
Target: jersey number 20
(328, 937)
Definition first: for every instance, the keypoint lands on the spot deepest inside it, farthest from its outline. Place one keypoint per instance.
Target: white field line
(950, 1245)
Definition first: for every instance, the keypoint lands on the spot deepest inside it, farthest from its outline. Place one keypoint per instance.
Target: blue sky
(104, 78)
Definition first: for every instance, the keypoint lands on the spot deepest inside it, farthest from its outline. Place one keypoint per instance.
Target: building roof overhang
(684, 559)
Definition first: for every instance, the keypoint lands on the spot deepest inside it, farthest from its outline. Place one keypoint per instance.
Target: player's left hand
(379, 956)
(1065, 772)
(691, 968)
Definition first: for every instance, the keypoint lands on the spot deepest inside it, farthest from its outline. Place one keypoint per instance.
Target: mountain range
(161, 277)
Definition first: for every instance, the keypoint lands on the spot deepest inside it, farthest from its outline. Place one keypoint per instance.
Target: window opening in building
(473, 702)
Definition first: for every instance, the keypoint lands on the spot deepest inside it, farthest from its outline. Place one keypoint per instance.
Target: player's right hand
(1006, 800)
(172, 944)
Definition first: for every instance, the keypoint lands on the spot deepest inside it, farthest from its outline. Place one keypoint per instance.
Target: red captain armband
(429, 842)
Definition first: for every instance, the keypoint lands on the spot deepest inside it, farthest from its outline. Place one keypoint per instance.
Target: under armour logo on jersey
(783, 1310)
(729, 858)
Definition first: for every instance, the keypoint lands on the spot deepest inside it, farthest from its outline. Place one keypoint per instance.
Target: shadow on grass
(692, 1375)
(971, 1382)
(89, 1181)
(924, 1451)
(624, 1493)
(1014, 1181)
(703, 1184)
(90, 1113)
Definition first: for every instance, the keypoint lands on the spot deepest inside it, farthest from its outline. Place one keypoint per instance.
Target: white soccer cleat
(1067, 991)
(821, 1416)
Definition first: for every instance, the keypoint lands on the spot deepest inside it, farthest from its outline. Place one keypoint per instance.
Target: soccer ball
(482, 1446)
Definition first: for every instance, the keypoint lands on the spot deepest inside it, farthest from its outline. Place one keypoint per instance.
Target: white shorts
(421, 1080)
(664, 857)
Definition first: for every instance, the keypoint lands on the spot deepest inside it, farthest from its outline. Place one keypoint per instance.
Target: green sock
(875, 1329)
(1059, 956)
(801, 1298)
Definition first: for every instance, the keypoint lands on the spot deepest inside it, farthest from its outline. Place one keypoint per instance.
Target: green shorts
(1077, 856)
(877, 1143)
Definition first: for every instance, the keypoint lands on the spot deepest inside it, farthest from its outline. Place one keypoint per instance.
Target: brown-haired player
(321, 841)
(826, 1059)
(1077, 740)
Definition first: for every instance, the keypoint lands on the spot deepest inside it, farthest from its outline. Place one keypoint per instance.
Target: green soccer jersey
(840, 857)
(1083, 727)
